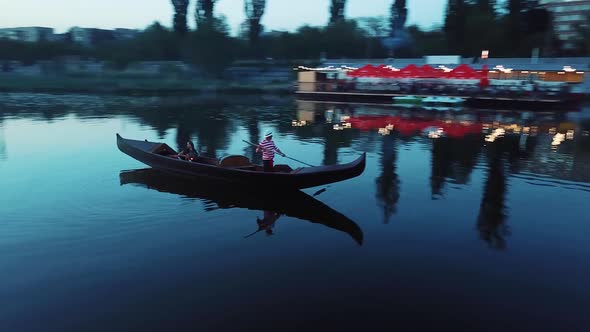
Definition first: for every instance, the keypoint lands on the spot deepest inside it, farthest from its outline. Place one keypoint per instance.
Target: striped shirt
(268, 149)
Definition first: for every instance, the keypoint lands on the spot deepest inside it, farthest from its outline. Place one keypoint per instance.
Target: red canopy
(409, 71)
(465, 72)
(364, 71)
(380, 71)
(412, 71)
(429, 72)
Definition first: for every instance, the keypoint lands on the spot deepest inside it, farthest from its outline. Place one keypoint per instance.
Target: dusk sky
(63, 14)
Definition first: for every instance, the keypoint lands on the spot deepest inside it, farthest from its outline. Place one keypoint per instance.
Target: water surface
(437, 234)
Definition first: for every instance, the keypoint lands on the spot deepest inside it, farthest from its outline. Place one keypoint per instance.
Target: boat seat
(162, 149)
(282, 168)
(234, 161)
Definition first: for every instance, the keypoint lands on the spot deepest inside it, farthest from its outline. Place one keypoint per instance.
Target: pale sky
(138, 14)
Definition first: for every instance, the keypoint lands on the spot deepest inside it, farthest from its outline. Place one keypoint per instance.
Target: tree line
(508, 29)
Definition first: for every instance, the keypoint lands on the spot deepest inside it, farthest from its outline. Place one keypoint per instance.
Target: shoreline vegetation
(144, 85)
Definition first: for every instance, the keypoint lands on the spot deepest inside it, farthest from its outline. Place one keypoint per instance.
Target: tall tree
(455, 23)
(180, 11)
(254, 11)
(399, 15)
(486, 6)
(204, 13)
(514, 22)
(337, 11)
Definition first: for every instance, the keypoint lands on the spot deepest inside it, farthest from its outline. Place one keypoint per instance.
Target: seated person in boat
(268, 148)
(189, 153)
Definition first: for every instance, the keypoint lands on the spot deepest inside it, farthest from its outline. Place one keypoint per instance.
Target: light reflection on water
(489, 226)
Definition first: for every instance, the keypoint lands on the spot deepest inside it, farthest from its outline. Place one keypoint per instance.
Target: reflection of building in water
(491, 222)
(313, 112)
(569, 161)
(388, 182)
(318, 119)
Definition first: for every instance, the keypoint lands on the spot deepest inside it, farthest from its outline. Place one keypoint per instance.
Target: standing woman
(268, 148)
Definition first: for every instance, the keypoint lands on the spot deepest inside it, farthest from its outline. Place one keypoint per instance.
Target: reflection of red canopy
(409, 127)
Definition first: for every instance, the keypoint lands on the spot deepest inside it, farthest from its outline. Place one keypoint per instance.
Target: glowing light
(568, 69)
(500, 132)
(558, 139)
(384, 131)
(296, 123)
(504, 70)
(438, 133)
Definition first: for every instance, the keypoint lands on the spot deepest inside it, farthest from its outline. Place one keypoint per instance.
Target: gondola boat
(239, 169)
(220, 194)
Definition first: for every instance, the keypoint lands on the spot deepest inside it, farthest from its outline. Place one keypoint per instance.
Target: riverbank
(155, 85)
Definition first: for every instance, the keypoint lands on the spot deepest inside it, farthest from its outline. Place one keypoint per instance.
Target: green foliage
(210, 49)
(472, 26)
(156, 43)
(31, 52)
(427, 42)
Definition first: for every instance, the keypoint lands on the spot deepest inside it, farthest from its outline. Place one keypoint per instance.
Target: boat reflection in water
(274, 204)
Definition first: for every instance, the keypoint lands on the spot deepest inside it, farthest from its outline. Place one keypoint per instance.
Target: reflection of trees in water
(512, 152)
(388, 182)
(254, 137)
(452, 159)
(2, 141)
(491, 222)
(211, 127)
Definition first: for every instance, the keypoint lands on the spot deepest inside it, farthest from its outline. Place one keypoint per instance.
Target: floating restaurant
(443, 88)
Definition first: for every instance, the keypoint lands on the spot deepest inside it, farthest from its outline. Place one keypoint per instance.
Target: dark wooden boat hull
(483, 102)
(293, 203)
(298, 179)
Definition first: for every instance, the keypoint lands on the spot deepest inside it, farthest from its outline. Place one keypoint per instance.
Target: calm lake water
(485, 228)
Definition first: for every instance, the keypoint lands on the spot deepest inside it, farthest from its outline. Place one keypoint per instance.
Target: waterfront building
(27, 34)
(566, 15)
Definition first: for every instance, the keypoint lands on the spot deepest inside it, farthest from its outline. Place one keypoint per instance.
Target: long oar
(247, 236)
(299, 161)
